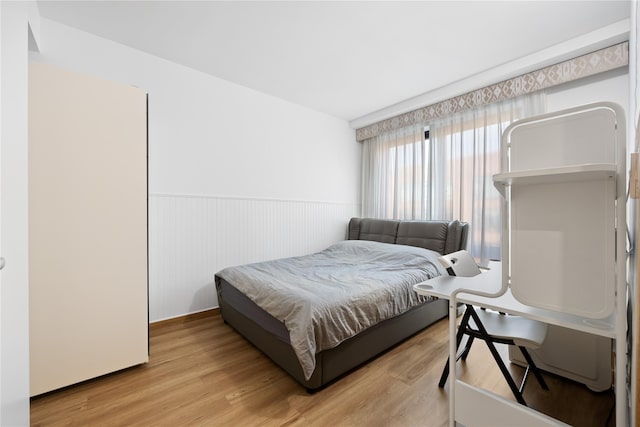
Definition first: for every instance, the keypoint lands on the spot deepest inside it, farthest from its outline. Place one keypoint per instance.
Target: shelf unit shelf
(573, 173)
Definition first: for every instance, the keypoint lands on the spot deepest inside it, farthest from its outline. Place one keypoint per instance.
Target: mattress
(271, 331)
(330, 296)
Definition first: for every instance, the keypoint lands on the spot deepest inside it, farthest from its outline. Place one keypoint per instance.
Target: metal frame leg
(463, 325)
(531, 366)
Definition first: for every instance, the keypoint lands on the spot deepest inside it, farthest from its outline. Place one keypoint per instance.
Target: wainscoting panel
(193, 237)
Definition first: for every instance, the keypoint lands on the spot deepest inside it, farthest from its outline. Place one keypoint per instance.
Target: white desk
(490, 281)
(467, 411)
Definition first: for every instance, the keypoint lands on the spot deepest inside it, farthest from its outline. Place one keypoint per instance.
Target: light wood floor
(201, 372)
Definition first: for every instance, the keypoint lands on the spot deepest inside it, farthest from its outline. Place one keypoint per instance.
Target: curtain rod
(597, 62)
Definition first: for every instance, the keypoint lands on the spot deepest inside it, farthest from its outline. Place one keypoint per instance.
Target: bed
(321, 315)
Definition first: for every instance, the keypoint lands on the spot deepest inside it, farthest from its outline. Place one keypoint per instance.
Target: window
(443, 171)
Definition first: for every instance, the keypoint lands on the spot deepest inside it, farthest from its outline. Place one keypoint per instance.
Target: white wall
(235, 175)
(14, 290)
(612, 86)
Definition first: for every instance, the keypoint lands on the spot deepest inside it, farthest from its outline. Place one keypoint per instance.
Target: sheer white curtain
(449, 175)
(394, 174)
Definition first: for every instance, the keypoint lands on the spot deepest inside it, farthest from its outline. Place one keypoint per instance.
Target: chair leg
(459, 335)
(494, 352)
(534, 369)
(517, 391)
(463, 355)
(444, 375)
(467, 348)
(505, 372)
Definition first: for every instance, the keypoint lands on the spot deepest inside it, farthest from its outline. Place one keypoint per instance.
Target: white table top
(490, 280)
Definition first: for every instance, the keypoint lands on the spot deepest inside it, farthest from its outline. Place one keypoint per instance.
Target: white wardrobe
(87, 227)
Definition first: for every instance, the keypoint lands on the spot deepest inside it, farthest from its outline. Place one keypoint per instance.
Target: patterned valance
(596, 62)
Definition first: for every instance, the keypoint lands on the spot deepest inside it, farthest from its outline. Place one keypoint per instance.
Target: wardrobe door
(87, 227)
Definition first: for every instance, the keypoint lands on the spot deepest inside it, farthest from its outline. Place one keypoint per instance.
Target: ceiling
(347, 59)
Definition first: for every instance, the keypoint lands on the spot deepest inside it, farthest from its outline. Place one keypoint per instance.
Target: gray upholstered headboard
(440, 236)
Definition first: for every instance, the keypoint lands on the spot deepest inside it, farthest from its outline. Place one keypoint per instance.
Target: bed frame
(268, 334)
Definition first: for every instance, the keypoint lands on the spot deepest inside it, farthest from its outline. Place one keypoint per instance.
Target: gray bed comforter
(329, 296)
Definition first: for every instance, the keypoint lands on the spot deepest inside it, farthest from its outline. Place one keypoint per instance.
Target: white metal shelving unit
(564, 221)
(564, 249)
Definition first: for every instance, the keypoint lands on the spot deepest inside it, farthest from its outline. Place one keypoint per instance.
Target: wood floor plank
(202, 373)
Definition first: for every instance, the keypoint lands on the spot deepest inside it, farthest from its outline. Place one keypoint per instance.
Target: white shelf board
(490, 281)
(480, 408)
(601, 327)
(574, 173)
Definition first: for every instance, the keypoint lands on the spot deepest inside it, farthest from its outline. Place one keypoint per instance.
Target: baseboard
(184, 319)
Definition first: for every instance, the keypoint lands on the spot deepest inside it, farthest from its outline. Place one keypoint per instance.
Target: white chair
(493, 327)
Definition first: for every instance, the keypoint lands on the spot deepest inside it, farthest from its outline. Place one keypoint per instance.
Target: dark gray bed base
(330, 364)
(442, 236)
